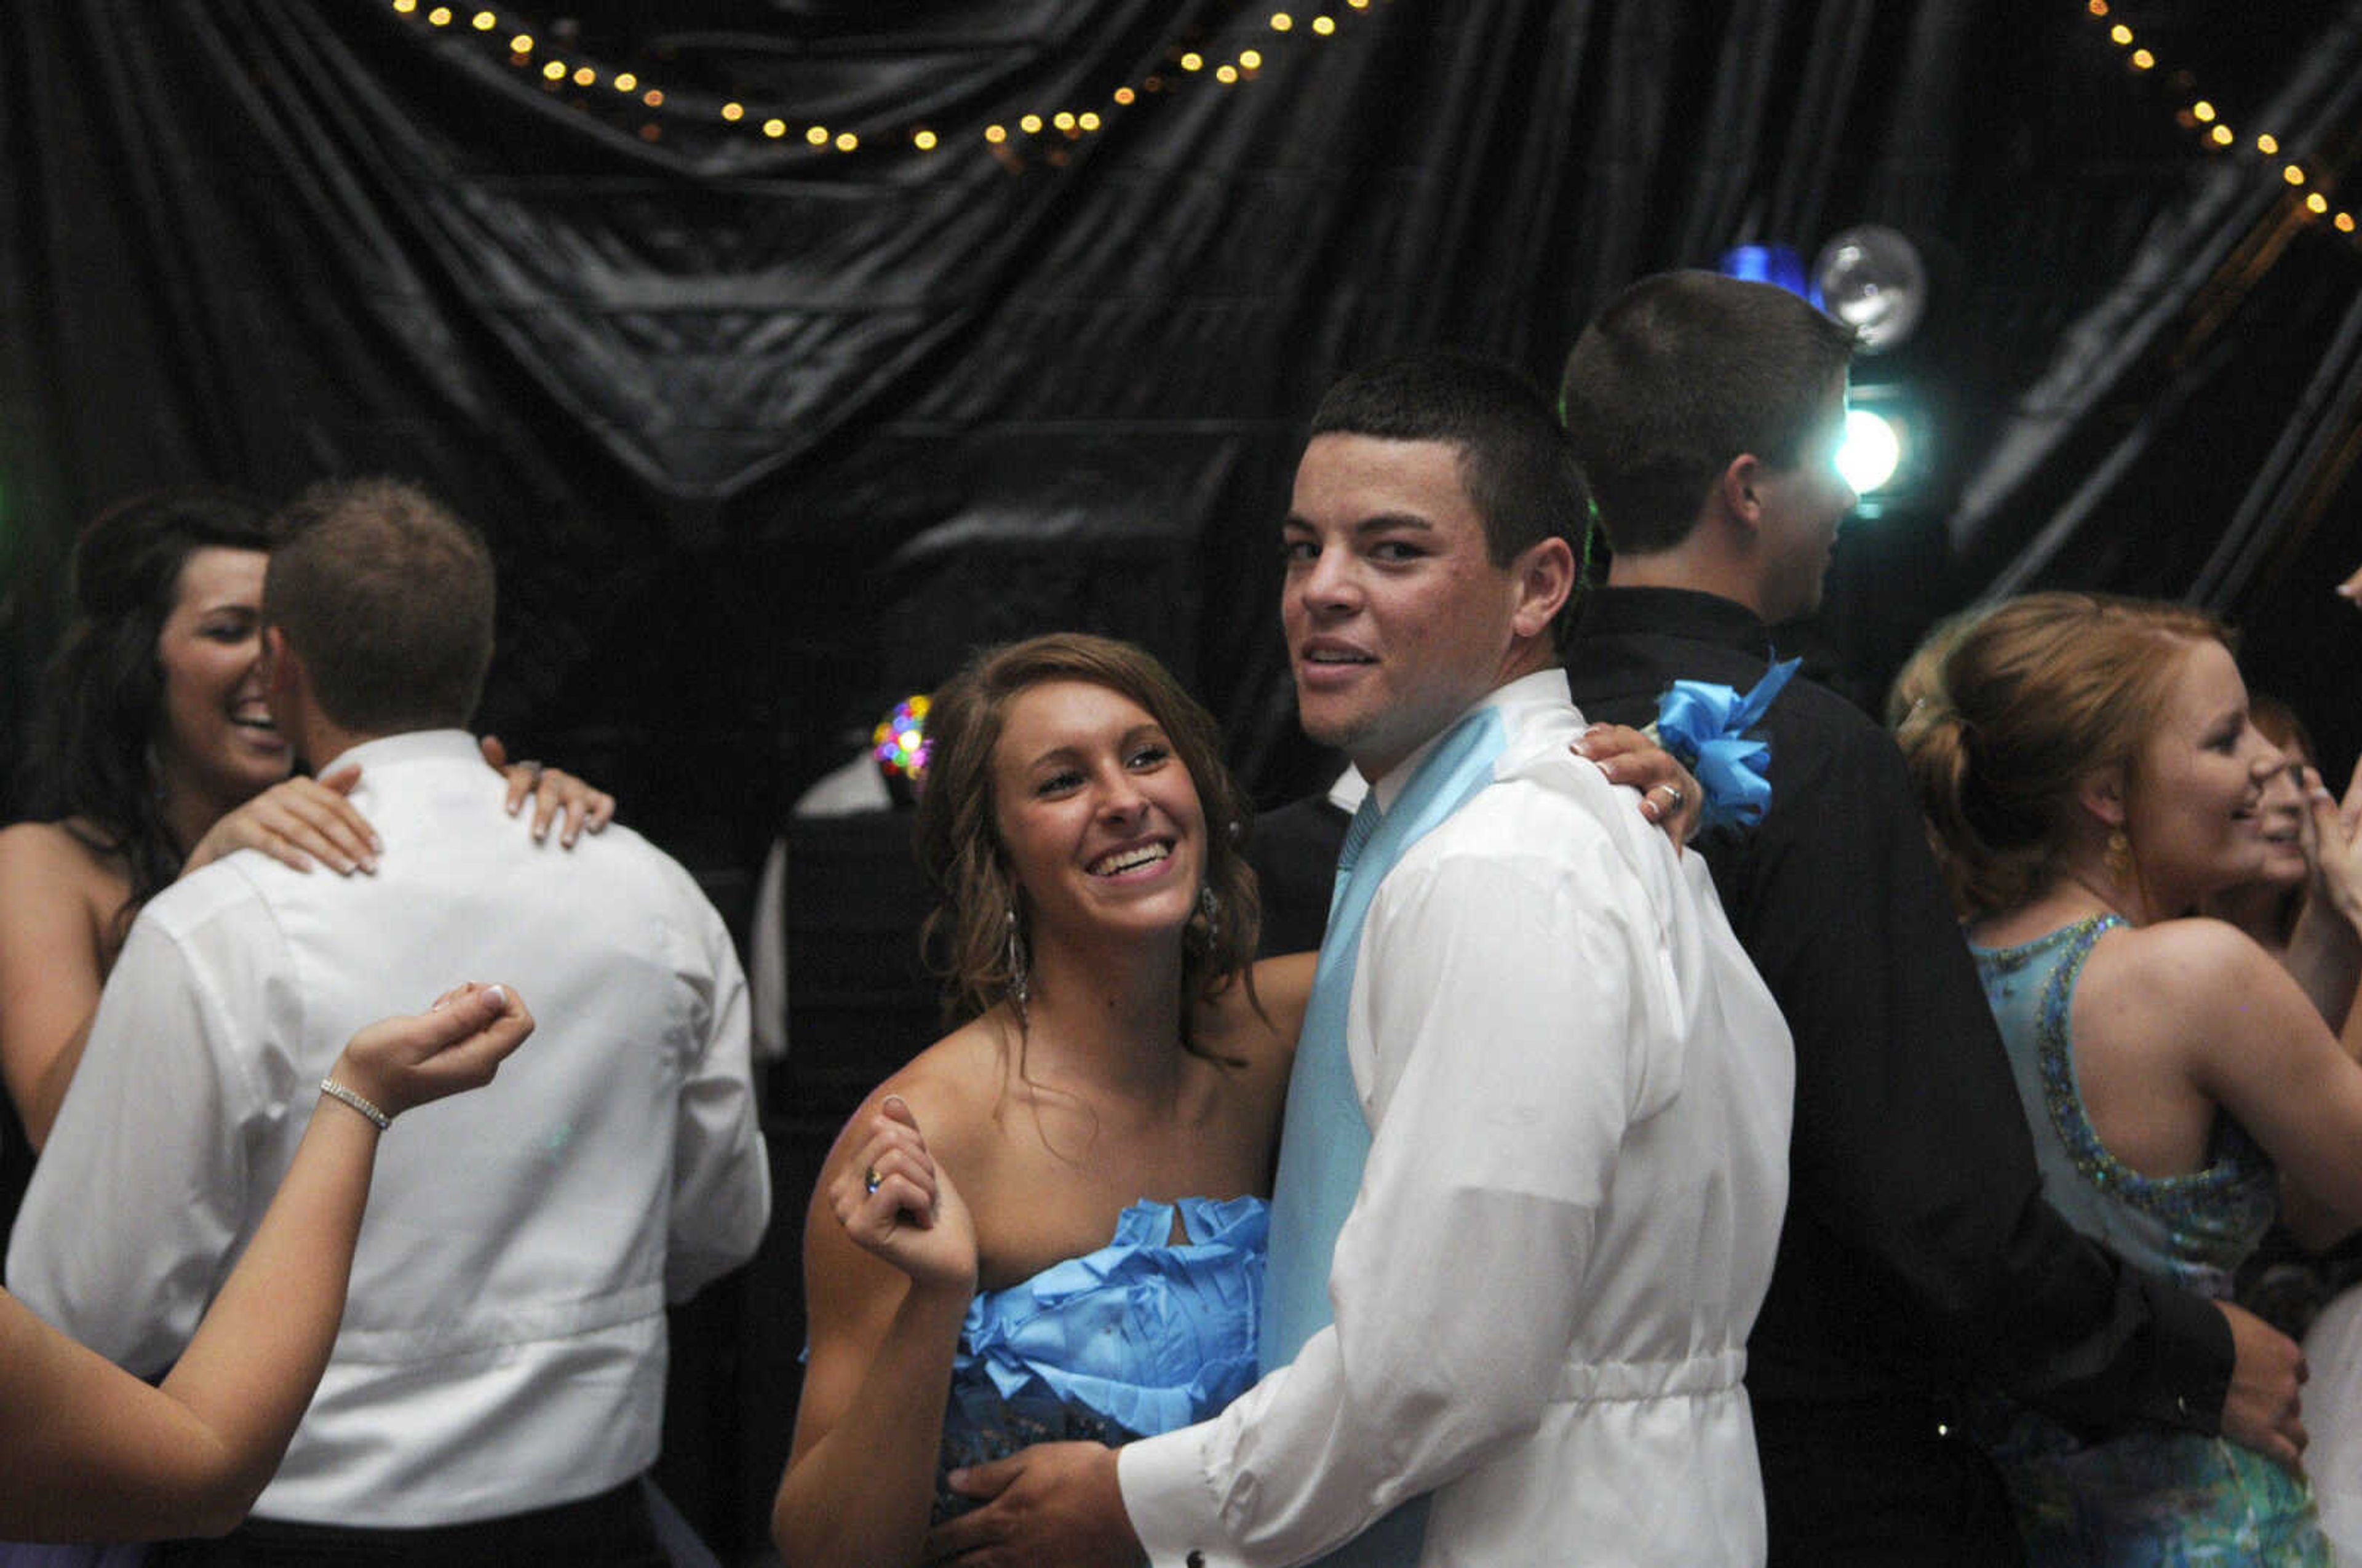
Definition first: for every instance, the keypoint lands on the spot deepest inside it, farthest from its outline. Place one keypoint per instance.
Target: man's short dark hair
(1678, 376)
(387, 597)
(1515, 462)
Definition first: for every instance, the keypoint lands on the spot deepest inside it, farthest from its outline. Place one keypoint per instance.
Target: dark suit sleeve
(1911, 1144)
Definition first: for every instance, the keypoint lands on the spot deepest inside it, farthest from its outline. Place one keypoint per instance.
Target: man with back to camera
(498, 1386)
(1536, 1133)
(1918, 1255)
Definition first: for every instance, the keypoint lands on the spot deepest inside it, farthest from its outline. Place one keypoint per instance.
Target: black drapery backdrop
(765, 434)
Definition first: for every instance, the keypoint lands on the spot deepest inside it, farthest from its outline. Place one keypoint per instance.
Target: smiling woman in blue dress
(2091, 773)
(1050, 1224)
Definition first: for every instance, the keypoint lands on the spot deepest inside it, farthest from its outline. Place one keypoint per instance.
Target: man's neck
(1698, 570)
(322, 743)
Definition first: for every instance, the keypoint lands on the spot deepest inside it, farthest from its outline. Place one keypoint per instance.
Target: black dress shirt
(1917, 1250)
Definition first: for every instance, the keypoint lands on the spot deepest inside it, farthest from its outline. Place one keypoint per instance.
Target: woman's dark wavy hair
(104, 691)
(966, 936)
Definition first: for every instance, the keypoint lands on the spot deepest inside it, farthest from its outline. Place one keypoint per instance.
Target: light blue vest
(1326, 1140)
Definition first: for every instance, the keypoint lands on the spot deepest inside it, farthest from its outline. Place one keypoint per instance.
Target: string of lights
(637, 91)
(2201, 115)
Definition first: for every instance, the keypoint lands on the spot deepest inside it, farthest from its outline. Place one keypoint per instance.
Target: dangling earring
(1018, 985)
(2118, 854)
(1209, 905)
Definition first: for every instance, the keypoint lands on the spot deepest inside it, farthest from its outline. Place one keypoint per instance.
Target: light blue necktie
(1326, 1140)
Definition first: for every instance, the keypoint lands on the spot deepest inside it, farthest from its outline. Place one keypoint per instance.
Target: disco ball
(1871, 279)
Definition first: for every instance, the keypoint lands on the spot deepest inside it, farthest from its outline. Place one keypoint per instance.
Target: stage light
(1871, 452)
(1779, 265)
(1871, 278)
(924, 140)
(734, 113)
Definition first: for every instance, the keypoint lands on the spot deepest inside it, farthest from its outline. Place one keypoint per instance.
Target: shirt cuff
(2196, 1357)
(1172, 1507)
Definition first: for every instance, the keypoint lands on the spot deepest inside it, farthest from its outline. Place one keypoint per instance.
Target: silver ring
(1678, 797)
(869, 1179)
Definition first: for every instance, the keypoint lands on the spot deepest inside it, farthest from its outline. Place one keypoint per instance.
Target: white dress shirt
(1579, 1093)
(503, 1344)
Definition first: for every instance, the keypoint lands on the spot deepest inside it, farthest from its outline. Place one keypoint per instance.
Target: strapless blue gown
(1140, 1337)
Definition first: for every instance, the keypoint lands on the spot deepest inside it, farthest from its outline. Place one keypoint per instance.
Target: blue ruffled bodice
(1140, 1337)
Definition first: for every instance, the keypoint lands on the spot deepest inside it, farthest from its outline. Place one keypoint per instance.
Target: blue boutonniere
(1704, 724)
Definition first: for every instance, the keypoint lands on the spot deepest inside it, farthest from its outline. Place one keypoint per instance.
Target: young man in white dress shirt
(1536, 1146)
(498, 1385)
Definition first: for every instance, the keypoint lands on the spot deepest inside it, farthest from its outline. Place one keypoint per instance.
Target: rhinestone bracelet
(339, 1093)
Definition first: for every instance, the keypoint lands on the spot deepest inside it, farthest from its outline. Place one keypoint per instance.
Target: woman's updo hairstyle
(2002, 730)
(966, 937)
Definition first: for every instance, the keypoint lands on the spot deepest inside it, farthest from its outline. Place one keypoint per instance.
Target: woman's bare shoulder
(42, 860)
(951, 1087)
(2176, 962)
(2193, 979)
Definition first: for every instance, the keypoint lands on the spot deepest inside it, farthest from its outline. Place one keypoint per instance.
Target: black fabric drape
(765, 435)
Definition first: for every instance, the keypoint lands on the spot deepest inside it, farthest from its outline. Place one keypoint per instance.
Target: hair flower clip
(1703, 725)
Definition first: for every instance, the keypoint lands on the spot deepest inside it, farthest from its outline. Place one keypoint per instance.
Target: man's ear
(283, 675)
(1545, 576)
(2101, 793)
(1738, 489)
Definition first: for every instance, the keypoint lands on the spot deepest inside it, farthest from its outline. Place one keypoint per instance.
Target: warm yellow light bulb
(2317, 203)
(775, 128)
(846, 141)
(734, 113)
(2292, 174)
(924, 139)
(483, 21)
(2098, 7)
(1281, 21)
(1193, 60)
(1250, 60)
(1088, 120)
(2223, 137)
(1324, 26)
(817, 136)
(653, 97)
(440, 17)
(995, 134)
(1226, 74)
(2268, 144)
(1063, 119)
(555, 71)
(521, 44)
(2344, 222)
(2121, 33)
(2204, 110)
(1030, 125)
(584, 76)
(2143, 60)
(405, 7)
(1125, 95)
(627, 83)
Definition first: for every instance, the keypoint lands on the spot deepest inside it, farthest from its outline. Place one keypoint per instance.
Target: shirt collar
(1674, 611)
(1543, 688)
(414, 745)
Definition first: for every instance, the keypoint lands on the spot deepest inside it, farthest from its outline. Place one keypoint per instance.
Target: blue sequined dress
(1145, 1335)
(2147, 1497)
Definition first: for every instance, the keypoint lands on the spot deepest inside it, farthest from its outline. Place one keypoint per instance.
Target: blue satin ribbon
(1704, 724)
